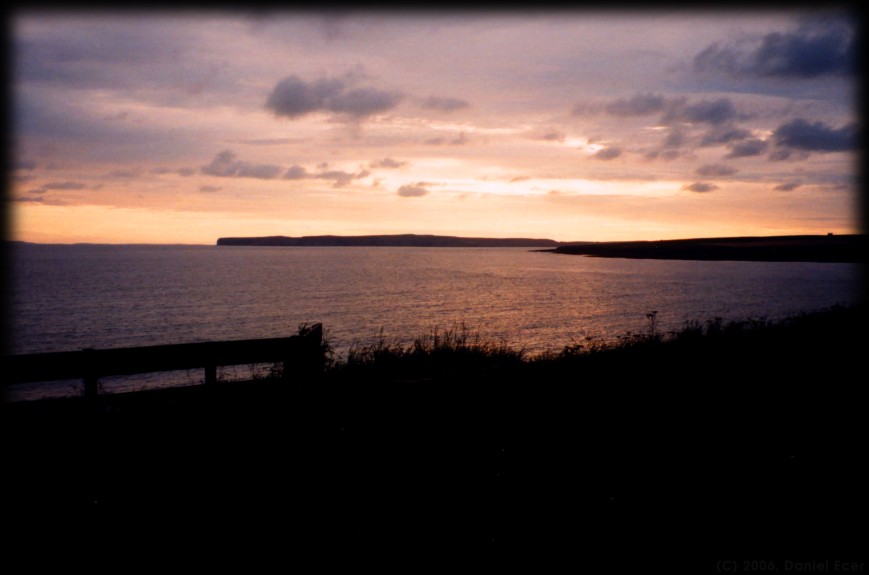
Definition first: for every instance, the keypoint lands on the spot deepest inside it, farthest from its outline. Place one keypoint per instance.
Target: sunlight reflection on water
(71, 297)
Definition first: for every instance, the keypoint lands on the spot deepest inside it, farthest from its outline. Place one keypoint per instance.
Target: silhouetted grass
(711, 438)
(438, 353)
(698, 344)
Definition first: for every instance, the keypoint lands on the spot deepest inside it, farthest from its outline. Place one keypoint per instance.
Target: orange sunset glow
(165, 127)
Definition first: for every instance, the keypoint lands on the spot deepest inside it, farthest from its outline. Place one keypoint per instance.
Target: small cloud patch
(787, 186)
(715, 170)
(444, 104)
(608, 153)
(416, 190)
(700, 187)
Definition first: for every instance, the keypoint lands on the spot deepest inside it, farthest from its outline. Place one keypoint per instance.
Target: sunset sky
(182, 127)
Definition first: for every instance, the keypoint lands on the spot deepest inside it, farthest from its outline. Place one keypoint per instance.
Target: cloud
(675, 138)
(638, 105)
(209, 189)
(459, 140)
(816, 137)
(225, 165)
(338, 177)
(363, 102)
(670, 154)
(260, 171)
(713, 112)
(718, 135)
(123, 173)
(608, 153)
(416, 190)
(387, 163)
(747, 148)
(296, 172)
(825, 46)
(715, 170)
(64, 186)
(787, 187)
(161, 171)
(552, 136)
(444, 104)
(700, 187)
(293, 97)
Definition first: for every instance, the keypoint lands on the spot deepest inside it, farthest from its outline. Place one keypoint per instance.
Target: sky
(574, 125)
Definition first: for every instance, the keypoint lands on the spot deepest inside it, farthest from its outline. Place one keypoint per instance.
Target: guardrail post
(91, 379)
(305, 358)
(210, 374)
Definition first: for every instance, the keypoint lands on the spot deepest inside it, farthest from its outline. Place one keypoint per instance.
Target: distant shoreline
(399, 240)
(820, 249)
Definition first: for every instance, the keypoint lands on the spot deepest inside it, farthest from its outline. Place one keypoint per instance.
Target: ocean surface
(70, 297)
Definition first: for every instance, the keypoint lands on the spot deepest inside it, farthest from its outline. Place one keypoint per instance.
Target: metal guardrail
(300, 354)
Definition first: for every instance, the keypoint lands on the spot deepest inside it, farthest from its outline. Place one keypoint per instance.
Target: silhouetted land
(829, 248)
(740, 441)
(403, 240)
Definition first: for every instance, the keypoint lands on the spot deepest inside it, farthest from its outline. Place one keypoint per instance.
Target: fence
(301, 355)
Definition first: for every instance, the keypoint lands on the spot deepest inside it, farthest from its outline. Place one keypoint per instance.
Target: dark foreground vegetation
(664, 452)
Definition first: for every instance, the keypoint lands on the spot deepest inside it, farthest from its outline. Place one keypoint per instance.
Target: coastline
(819, 249)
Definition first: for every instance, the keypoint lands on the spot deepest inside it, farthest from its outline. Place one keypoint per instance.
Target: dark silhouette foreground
(724, 444)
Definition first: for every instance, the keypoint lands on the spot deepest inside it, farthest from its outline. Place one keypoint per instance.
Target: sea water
(70, 297)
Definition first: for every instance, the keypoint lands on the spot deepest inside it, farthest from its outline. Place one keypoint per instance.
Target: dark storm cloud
(816, 137)
(444, 104)
(387, 163)
(608, 153)
(787, 187)
(225, 165)
(824, 46)
(715, 170)
(747, 148)
(416, 190)
(293, 97)
(700, 187)
(638, 105)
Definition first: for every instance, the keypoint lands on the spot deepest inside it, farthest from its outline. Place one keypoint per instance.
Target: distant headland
(848, 248)
(401, 240)
(809, 248)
